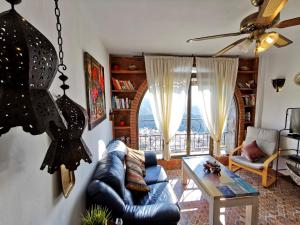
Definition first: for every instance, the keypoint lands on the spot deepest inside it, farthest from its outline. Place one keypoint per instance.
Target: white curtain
(168, 83)
(216, 79)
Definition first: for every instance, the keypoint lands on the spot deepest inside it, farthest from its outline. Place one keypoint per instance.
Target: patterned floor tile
(278, 205)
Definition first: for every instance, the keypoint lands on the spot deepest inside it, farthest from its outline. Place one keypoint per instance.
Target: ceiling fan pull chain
(61, 66)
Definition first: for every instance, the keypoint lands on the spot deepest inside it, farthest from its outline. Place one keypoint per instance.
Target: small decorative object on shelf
(213, 167)
(116, 67)
(132, 67)
(244, 68)
(122, 123)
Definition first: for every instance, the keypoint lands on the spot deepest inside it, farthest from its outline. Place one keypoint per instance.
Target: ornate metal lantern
(67, 147)
(28, 63)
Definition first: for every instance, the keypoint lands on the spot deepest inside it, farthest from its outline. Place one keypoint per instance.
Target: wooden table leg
(184, 175)
(214, 212)
(252, 213)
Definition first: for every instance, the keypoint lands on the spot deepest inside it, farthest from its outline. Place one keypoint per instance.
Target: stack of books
(249, 100)
(123, 85)
(121, 103)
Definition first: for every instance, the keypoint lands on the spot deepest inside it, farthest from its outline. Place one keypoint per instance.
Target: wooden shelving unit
(121, 116)
(247, 83)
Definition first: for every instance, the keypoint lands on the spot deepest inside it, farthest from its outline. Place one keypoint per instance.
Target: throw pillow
(252, 152)
(138, 157)
(135, 170)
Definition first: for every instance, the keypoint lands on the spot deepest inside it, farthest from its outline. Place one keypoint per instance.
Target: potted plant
(96, 216)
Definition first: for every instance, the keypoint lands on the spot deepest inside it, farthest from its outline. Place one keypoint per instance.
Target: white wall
(29, 196)
(278, 63)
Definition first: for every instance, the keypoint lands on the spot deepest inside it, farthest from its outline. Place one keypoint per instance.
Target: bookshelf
(127, 74)
(247, 84)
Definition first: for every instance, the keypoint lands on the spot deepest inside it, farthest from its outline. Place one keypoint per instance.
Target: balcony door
(192, 138)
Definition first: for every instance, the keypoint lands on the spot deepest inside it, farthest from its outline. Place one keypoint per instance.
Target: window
(192, 137)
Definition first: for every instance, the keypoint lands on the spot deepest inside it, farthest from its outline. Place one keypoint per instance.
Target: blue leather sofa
(107, 188)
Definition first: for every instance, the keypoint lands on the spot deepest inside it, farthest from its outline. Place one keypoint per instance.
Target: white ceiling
(163, 26)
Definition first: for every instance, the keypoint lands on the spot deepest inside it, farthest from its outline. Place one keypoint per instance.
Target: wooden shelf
(251, 122)
(246, 71)
(247, 89)
(121, 128)
(121, 110)
(128, 71)
(124, 91)
(249, 106)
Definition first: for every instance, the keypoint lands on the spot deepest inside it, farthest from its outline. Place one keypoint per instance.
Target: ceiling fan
(255, 25)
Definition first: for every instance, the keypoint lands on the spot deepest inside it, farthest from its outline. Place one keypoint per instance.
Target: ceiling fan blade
(288, 23)
(214, 37)
(269, 10)
(282, 41)
(226, 49)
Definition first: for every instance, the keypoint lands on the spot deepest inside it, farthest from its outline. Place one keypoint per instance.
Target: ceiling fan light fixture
(266, 41)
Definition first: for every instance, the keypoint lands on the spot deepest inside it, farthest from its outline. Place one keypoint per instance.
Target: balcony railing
(151, 140)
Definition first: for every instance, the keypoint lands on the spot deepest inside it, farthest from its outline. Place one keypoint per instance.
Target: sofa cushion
(155, 174)
(110, 170)
(159, 193)
(117, 148)
(244, 161)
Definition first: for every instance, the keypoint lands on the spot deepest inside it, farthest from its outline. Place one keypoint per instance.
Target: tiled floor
(277, 205)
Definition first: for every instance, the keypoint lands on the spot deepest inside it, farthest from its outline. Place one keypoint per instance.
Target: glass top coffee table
(227, 190)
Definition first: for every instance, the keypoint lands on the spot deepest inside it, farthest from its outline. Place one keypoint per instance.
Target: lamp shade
(67, 146)
(28, 63)
(266, 41)
(278, 84)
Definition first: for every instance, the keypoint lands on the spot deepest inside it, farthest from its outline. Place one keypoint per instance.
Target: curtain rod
(204, 56)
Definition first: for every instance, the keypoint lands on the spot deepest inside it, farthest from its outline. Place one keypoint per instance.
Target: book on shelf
(249, 100)
(121, 103)
(248, 117)
(123, 85)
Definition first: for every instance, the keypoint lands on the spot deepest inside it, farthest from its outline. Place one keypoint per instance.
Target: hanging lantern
(67, 147)
(28, 63)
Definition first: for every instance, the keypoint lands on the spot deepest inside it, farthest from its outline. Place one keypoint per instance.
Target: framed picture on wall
(95, 90)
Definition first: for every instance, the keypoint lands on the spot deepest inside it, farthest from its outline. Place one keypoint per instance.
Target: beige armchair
(267, 141)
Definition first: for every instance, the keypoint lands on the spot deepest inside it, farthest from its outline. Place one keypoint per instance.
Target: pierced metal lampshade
(28, 64)
(67, 147)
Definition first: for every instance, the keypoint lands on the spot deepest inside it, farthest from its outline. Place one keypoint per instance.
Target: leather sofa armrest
(162, 213)
(150, 159)
(101, 194)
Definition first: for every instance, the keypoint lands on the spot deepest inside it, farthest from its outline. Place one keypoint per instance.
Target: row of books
(125, 85)
(249, 100)
(121, 103)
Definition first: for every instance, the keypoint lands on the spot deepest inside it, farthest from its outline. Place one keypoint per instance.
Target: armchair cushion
(252, 152)
(266, 139)
(258, 165)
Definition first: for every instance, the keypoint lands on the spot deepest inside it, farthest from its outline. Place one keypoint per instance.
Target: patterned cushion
(135, 170)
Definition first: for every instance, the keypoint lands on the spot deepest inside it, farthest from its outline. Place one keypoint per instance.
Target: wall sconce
(278, 84)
